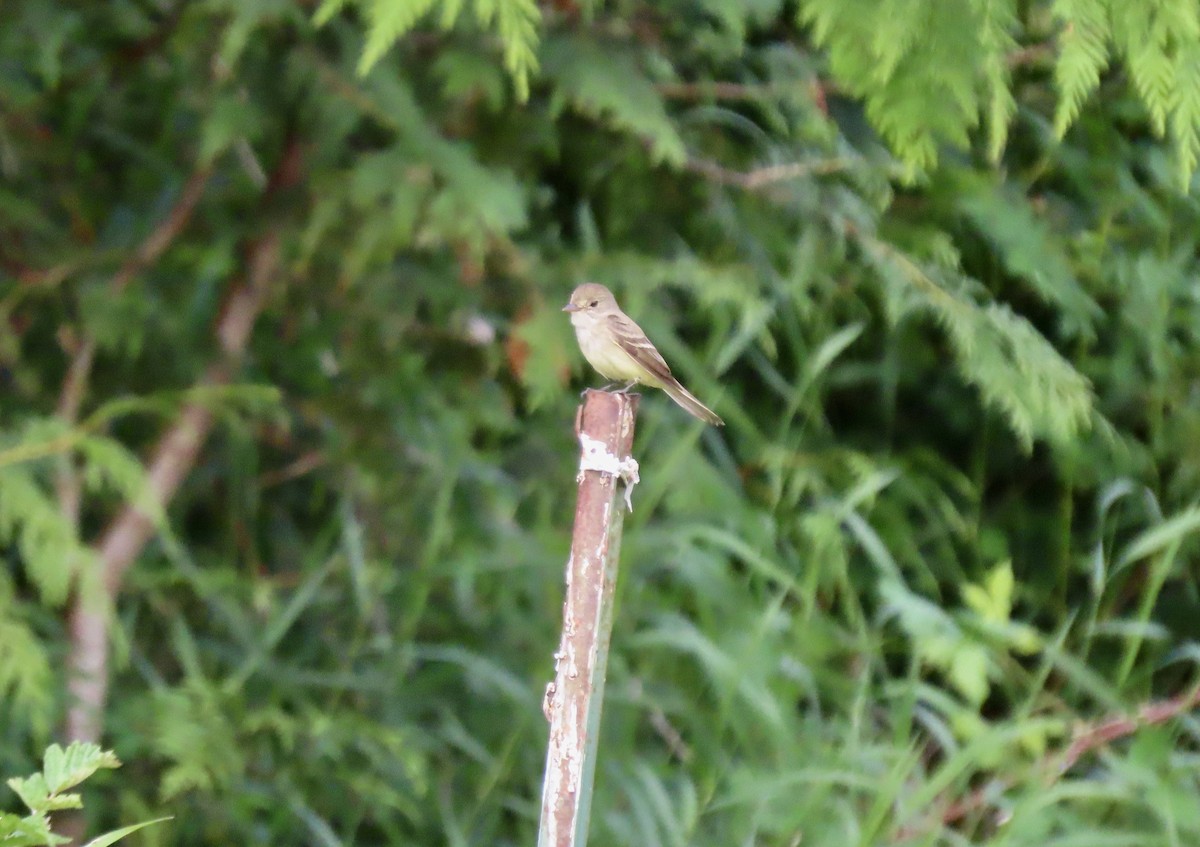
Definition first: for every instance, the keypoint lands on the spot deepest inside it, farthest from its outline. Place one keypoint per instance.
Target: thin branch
(176, 452)
(1094, 736)
(735, 92)
(760, 178)
(171, 461)
(67, 484)
(147, 253)
(305, 464)
(42, 277)
(660, 722)
(1087, 738)
(1034, 54)
(717, 90)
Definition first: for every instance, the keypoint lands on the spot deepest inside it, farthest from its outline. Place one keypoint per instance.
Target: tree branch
(171, 460)
(147, 253)
(759, 178)
(1086, 738)
(721, 90)
(74, 387)
(1091, 737)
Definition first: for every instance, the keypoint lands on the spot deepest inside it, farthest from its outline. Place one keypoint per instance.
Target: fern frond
(1029, 250)
(1153, 75)
(109, 465)
(1016, 370)
(30, 516)
(1185, 110)
(608, 87)
(998, 21)
(327, 10)
(926, 70)
(387, 21)
(472, 202)
(25, 675)
(517, 24)
(191, 730)
(907, 22)
(1020, 373)
(1144, 40)
(1083, 56)
(49, 546)
(1158, 41)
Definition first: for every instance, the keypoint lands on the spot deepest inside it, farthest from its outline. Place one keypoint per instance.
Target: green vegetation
(286, 457)
(48, 791)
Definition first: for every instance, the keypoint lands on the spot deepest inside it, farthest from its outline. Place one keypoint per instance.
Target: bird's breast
(602, 351)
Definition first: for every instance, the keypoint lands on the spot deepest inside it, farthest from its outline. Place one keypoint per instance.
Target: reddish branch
(74, 386)
(305, 464)
(1086, 739)
(734, 92)
(148, 253)
(1093, 736)
(170, 462)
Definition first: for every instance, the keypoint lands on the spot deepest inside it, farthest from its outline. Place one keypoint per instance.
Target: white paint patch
(594, 456)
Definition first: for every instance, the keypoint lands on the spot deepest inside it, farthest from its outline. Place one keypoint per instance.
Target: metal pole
(604, 424)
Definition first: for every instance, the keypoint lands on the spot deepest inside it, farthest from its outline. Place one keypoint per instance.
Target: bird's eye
(594, 303)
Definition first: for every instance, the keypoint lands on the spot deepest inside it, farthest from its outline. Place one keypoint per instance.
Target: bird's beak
(570, 307)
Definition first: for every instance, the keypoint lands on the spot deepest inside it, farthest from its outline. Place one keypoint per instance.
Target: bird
(619, 350)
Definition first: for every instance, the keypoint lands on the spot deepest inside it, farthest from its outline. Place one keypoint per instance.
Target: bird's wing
(634, 342)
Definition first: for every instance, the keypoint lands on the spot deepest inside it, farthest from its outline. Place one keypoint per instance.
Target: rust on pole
(604, 424)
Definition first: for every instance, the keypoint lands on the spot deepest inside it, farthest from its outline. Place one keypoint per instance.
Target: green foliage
(387, 20)
(1158, 41)
(926, 70)
(191, 732)
(515, 23)
(30, 517)
(1026, 246)
(962, 650)
(1040, 394)
(950, 527)
(26, 680)
(47, 791)
(31, 520)
(607, 86)
(929, 72)
(61, 769)
(1084, 46)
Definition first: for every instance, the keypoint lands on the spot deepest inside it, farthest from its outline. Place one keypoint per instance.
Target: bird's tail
(693, 406)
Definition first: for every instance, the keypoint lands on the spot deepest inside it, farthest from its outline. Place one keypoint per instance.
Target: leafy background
(286, 461)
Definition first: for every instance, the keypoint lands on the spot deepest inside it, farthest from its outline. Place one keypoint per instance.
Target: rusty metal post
(604, 424)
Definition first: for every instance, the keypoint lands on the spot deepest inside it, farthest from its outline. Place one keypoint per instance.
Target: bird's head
(590, 299)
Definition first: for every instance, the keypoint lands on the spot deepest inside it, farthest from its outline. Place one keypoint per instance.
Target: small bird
(618, 349)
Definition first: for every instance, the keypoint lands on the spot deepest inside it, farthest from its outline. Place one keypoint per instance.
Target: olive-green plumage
(618, 349)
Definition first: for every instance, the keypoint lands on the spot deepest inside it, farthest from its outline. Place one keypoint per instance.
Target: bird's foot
(612, 388)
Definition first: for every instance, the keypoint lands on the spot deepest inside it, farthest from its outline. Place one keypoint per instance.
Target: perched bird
(618, 349)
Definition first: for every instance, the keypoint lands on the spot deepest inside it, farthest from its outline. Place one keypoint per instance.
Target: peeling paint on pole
(573, 701)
